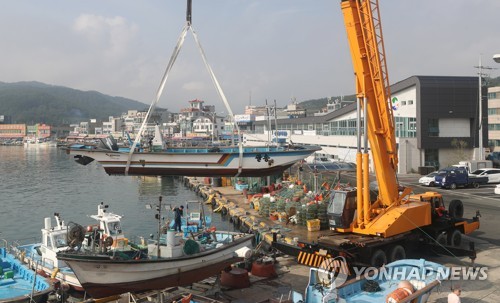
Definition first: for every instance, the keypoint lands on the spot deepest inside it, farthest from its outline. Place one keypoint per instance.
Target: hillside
(316, 105)
(35, 102)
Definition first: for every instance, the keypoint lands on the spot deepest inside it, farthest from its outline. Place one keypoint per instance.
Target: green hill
(35, 102)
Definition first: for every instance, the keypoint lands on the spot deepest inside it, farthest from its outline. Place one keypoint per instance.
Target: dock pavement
(294, 276)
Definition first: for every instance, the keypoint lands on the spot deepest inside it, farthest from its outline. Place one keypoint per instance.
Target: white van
(493, 174)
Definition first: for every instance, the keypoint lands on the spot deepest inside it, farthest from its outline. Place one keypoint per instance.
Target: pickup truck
(453, 177)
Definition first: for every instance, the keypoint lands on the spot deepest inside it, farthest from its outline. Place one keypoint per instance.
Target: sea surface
(36, 182)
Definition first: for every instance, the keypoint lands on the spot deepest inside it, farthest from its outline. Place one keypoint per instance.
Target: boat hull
(180, 278)
(258, 161)
(101, 276)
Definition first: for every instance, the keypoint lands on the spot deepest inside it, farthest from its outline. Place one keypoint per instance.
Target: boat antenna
(275, 124)
(158, 252)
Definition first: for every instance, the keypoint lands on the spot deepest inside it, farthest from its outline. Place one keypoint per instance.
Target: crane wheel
(441, 239)
(398, 252)
(455, 238)
(378, 258)
(456, 209)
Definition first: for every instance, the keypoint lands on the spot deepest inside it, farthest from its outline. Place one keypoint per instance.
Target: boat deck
(17, 280)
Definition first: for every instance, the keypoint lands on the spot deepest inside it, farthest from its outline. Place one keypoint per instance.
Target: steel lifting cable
(171, 62)
(222, 96)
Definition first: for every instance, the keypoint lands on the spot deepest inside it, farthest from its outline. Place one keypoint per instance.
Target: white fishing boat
(238, 161)
(62, 237)
(170, 265)
(201, 162)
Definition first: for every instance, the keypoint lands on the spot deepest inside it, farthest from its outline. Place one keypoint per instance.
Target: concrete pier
(293, 276)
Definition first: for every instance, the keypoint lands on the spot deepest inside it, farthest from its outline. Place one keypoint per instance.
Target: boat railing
(25, 241)
(4, 244)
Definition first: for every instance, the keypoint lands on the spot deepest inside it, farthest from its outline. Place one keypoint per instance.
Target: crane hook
(188, 12)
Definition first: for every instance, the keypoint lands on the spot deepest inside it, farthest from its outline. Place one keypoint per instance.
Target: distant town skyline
(275, 50)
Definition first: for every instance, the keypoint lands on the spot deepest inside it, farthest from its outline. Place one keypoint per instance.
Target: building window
(410, 102)
(403, 103)
(432, 157)
(492, 95)
(433, 125)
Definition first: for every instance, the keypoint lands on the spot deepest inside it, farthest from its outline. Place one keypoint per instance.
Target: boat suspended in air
(237, 161)
(191, 162)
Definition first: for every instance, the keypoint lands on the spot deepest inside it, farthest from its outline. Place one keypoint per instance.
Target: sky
(259, 50)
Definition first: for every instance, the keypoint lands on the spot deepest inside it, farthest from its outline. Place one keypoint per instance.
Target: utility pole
(480, 126)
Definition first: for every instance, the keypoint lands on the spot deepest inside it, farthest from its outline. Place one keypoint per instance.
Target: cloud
(113, 34)
(195, 86)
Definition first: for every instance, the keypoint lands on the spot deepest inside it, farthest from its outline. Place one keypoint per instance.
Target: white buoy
(171, 237)
(244, 252)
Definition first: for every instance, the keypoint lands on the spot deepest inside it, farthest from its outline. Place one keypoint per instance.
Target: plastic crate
(313, 225)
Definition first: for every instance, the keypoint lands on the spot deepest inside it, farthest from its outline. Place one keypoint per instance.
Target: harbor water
(36, 182)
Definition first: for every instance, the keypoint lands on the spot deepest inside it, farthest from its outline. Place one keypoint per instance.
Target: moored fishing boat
(173, 264)
(61, 237)
(18, 283)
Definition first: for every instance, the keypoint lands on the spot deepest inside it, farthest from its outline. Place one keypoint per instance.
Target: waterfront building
(12, 131)
(435, 119)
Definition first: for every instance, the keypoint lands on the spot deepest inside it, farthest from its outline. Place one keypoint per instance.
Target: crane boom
(389, 214)
(364, 32)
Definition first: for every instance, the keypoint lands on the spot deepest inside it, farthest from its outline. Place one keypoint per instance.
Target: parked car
(493, 174)
(428, 180)
(497, 189)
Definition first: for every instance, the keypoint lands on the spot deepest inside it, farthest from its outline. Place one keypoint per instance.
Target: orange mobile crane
(375, 231)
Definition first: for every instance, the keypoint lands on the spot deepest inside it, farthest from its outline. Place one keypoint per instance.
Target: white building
(431, 114)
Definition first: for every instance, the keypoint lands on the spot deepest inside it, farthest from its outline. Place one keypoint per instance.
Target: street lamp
(481, 68)
(496, 58)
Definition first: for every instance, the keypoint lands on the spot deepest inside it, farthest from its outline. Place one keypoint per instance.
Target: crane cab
(341, 208)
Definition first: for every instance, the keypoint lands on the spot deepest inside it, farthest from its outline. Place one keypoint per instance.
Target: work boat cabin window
(59, 241)
(114, 228)
(336, 205)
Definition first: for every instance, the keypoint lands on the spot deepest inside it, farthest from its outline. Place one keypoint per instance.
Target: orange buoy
(263, 269)
(235, 278)
(398, 295)
(187, 298)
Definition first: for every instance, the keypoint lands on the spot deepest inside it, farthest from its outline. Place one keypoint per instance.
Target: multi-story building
(12, 131)
(494, 118)
(436, 124)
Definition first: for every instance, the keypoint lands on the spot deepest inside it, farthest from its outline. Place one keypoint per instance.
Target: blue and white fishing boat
(407, 280)
(57, 238)
(18, 283)
(190, 162)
